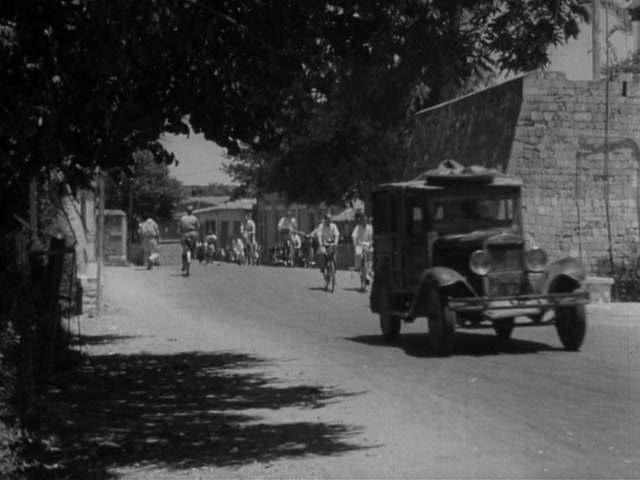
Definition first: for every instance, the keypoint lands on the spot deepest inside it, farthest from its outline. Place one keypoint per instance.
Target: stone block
(599, 289)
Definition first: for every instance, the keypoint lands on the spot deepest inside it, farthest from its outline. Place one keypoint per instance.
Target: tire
(571, 325)
(389, 324)
(504, 328)
(186, 262)
(442, 323)
(331, 276)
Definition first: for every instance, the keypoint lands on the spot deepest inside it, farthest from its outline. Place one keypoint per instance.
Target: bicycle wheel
(186, 261)
(331, 267)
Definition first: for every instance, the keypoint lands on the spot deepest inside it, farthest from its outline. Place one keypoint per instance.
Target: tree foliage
(149, 189)
(350, 126)
(319, 91)
(629, 65)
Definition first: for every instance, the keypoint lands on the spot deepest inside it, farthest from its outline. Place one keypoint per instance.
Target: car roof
(499, 180)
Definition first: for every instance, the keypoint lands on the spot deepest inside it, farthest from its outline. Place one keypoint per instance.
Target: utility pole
(100, 242)
(595, 38)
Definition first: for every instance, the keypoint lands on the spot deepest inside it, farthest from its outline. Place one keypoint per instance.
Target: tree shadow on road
(93, 340)
(189, 411)
(466, 344)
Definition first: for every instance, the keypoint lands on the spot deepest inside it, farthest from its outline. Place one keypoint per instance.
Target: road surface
(245, 372)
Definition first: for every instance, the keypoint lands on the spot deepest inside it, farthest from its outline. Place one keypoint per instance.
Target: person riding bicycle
(286, 228)
(211, 245)
(362, 237)
(237, 246)
(189, 227)
(327, 233)
(248, 230)
(296, 242)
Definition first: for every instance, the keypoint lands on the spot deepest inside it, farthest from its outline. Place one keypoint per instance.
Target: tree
(87, 83)
(350, 126)
(629, 65)
(149, 188)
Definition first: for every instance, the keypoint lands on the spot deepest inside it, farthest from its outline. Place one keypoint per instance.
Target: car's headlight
(480, 262)
(535, 260)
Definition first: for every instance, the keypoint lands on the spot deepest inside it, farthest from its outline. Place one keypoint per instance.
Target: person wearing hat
(189, 227)
(150, 234)
(326, 233)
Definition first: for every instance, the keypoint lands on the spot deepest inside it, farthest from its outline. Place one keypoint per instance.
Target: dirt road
(257, 373)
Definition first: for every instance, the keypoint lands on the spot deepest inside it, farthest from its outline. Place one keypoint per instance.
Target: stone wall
(560, 150)
(555, 134)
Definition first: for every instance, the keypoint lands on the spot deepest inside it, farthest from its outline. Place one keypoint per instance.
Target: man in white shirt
(326, 233)
(362, 237)
(287, 226)
(248, 230)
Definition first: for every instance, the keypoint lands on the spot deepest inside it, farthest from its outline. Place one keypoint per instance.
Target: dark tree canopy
(149, 189)
(315, 94)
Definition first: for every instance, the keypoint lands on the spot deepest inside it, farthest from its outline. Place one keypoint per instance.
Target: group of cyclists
(325, 236)
(243, 248)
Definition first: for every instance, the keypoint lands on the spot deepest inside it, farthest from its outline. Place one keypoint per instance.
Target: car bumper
(496, 308)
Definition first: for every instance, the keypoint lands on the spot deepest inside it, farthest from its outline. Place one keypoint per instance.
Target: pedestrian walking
(150, 234)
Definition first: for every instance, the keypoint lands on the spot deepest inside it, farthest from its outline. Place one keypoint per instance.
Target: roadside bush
(16, 372)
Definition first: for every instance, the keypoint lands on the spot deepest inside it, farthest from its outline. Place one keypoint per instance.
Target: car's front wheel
(504, 328)
(442, 321)
(571, 325)
(389, 324)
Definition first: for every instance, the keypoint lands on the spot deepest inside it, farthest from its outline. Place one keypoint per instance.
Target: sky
(201, 160)
(575, 58)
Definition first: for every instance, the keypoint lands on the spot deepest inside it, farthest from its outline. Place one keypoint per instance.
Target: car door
(386, 221)
(414, 250)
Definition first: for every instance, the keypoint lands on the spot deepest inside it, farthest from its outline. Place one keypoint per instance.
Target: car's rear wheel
(571, 325)
(504, 328)
(389, 324)
(442, 321)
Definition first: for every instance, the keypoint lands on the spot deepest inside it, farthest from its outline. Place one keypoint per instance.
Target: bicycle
(188, 244)
(250, 251)
(330, 267)
(365, 265)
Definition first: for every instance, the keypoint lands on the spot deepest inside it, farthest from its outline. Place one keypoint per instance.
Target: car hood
(479, 239)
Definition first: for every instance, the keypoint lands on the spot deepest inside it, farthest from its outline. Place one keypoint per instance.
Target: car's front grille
(505, 284)
(506, 269)
(506, 258)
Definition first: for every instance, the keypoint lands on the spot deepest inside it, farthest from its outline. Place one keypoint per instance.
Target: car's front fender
(439, 278)
(562, 276)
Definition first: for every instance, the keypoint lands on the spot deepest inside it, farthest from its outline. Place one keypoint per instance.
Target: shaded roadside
(185, 411)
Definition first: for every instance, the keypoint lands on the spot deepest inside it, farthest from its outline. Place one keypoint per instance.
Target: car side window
(394, 211)
(415, 217)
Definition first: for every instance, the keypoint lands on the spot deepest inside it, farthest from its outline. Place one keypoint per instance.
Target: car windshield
(467, 214)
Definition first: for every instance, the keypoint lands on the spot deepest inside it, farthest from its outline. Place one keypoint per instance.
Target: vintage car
(452, 248)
